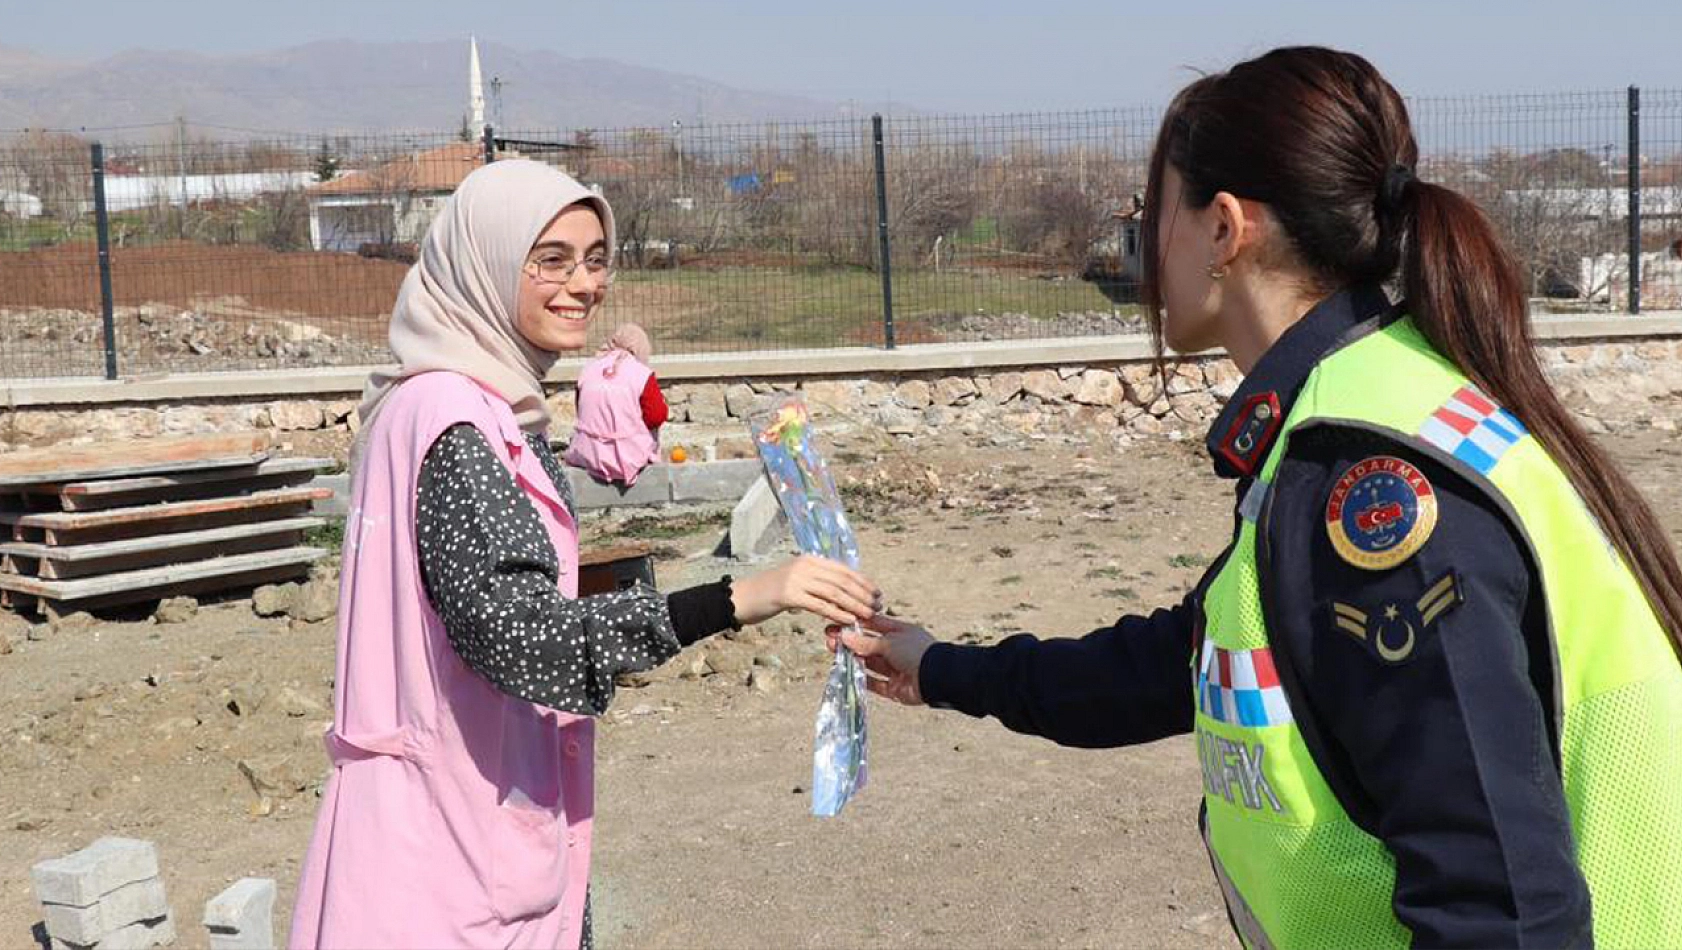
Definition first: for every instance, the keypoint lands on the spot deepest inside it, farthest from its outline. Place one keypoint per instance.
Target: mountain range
(341, 85)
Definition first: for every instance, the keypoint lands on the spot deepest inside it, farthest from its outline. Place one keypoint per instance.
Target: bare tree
(931, 193)
(638, 176)
(56, 167)
(1552, 218)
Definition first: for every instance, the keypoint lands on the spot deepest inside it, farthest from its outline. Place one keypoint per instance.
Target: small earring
(1216, 273)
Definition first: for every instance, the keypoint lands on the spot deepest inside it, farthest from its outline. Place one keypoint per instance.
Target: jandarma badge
(1380, 512)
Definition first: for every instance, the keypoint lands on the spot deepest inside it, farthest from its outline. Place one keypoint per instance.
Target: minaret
(475, 89)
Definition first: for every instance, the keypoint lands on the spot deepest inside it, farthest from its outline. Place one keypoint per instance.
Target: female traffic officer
(1434, 677)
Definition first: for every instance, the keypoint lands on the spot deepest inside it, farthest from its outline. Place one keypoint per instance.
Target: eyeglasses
(557, 268)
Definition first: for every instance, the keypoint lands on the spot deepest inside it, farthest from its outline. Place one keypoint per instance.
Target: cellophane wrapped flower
(795, 469)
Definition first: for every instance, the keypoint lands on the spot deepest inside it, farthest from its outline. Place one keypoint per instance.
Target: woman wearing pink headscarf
(620, 410)
(458, 812)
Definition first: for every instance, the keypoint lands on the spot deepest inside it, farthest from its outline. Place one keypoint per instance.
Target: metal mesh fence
(286, 252)
(1661, 199)
(733, 237)
(1017, 226)
(223, 255)
(46, 250)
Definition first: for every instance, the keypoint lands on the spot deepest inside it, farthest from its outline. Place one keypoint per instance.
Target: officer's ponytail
(1465, 294)
(1324, 141)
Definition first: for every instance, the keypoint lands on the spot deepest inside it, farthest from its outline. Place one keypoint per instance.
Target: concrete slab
(653, 487)
(756, 523)
(725, 480)
(338, 505)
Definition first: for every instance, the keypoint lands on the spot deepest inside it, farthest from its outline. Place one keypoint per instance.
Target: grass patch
(330, 535)
(1011, 579)
(1106, 573)
(1122, 593)
(654, 527)
(28, 234)
(807, 307)
(1187, 560)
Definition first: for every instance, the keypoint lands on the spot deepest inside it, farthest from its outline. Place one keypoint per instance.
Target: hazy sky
(980, 55)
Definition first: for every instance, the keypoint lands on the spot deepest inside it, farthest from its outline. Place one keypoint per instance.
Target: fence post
(102, 226)
(1634, 199)
(882, 234)
(490, 145)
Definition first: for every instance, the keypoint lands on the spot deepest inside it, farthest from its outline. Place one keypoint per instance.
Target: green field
(808, 307)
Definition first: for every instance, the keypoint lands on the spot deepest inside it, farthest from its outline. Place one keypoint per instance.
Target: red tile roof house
(391, 203)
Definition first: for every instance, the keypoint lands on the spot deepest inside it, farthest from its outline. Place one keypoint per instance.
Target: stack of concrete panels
(242, 917)
(106, 896)
(120, 522)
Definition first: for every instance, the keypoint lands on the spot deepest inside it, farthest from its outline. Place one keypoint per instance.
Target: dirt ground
(203, 736)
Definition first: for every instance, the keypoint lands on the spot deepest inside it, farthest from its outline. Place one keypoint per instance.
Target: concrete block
(653, 487)
(80, 879)
(136, 936)
(338, 504)
(242, 917)
(754, 521)
(714, 481)
(142, 900)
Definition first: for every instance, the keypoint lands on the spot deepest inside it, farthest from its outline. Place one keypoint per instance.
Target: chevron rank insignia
(1391, 629)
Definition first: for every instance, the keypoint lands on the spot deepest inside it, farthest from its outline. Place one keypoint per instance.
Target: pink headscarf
(631, 339)
(457, 307)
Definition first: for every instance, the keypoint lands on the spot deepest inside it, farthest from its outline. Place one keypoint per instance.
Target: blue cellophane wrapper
(795, 469)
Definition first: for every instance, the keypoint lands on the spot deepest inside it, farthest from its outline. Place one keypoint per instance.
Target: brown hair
(1324, 141)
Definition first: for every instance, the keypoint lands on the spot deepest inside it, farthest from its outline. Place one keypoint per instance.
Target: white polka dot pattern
(490, 571)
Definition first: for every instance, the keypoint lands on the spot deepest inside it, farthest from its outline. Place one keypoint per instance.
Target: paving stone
(242, 917)
(136, 936)
(81, 878)
(142, 900)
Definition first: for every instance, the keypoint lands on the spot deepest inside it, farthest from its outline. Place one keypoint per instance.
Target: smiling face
(555, 316)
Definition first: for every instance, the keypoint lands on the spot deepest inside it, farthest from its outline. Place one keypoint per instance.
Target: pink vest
(611, 441)
(455, 815)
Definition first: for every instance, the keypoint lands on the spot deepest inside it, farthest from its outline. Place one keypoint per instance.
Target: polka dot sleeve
(490, 571)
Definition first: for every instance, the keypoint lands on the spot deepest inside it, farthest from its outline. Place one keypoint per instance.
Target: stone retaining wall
(1611, 384)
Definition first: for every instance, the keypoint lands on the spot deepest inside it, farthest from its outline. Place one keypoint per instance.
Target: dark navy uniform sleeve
(490, 571)
(1120, 685)
(1426, 693)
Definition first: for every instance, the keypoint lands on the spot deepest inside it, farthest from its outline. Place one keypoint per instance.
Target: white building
(1604, 278)
(391, 203)
(1659, 203)
(394, 203)
(18, 204)
(129, 192)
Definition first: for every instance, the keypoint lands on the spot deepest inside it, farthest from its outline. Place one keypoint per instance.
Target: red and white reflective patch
(1241, 687)
(1470, 427)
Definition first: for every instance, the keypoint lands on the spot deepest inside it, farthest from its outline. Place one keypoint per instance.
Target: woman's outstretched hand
(817, 585)
(892, 652)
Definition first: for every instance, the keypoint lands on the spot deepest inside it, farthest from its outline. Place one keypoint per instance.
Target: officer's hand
(892, 652)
